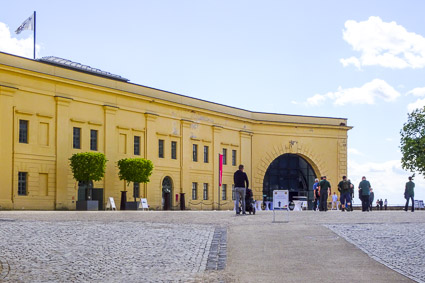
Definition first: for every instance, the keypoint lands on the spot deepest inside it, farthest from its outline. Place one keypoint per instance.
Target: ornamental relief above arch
(294, 147)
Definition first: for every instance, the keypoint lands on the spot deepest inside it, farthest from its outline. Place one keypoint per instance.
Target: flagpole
(34, 32)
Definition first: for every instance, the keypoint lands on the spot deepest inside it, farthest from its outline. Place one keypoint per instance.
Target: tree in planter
(412, 143)
(88, 167)
(137, 170)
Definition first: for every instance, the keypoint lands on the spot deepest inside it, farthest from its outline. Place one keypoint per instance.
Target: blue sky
(362, 60)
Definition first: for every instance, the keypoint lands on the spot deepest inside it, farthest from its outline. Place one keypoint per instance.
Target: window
(233, 192)
(161, 148)
(195, 152)
(205, 154)
(22, 183)
(136, 190)
(224, 156)
(173, 150)
(195, 191)
(76, 141)
(233, 157)
(136, 145)
(205, 191)
(23, 131)
(223, 192)
(93, 139)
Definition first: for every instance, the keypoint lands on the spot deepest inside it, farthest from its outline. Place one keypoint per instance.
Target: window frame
(224, 156)
(76, 139)
(206, 153)
(23, 134)
(195, 152)
(160, 148)
(136, 145)
(94, 140)
(234, 154)
(173, 150)
(22, 183)
(205, 191)
(224, 192)
(194, 191)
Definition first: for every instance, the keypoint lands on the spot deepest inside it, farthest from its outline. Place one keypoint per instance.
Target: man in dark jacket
(364, 192)
(409, 193)
(241, 182)
(344, 189)
(325, 191)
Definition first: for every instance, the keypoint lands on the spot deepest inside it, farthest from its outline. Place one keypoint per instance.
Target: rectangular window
(233, 157)
(136, 190)
(76, 138)
(161, 148)
(194, 191)
(205, 191)
(93, 139)
(224, 156)
(195, 152)
(233, 193)
(22, 183)
(23, 131)
(206, 154)
(223, 192)
(173, 150)
(136, 145)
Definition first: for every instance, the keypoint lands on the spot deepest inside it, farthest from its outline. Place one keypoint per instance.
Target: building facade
(52, 109)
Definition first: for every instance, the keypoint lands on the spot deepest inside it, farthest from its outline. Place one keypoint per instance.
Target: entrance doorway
(289, 172)
(167, 189)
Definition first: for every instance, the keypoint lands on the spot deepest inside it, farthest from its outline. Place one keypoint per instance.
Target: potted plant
(86, 168)
(136, 170)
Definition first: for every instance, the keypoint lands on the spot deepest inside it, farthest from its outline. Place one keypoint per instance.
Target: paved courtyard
(211, 246)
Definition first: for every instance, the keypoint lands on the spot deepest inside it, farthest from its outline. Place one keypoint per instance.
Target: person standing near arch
(240, 179)
(325, 191)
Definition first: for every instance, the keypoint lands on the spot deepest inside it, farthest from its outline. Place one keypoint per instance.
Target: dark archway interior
(167, 190)
(289, 172)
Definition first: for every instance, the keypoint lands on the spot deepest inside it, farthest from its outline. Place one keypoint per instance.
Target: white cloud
(420, 103)
(353, 151)
(20, 47)
(387, 179)
(389, 139)
(366, 94)
(419, 91)
(383, 44)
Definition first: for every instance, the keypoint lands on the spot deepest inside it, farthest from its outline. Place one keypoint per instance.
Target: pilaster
(111, 148)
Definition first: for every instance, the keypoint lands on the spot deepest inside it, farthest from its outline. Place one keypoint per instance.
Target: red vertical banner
(220, 169)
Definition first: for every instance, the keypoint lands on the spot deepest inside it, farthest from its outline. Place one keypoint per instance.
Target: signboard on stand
(111, 204)
(143, 204)
(280, 202)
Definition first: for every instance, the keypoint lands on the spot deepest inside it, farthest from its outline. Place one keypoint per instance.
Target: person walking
(325, 191)
(316, 194)
(371, 197)
(351, 194)
(334, 202)
(364, 192)
(381, 204)
(241, 182)
(344, 188)
(385, 204)
(409, 193)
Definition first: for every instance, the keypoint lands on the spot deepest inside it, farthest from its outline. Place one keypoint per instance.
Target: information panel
(280, 199)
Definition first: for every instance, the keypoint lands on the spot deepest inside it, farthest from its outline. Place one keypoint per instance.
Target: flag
(28, 24)
(220, 169)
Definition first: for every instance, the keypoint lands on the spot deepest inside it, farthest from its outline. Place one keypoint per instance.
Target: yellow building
(52, 108)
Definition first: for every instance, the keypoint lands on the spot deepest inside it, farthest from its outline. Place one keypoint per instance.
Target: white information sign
(280, 199)
(111, 204)
(143, 204)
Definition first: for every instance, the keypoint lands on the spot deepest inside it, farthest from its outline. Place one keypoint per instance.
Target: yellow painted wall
(55, 100)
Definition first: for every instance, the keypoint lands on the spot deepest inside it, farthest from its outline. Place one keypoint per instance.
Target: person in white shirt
(334, 202)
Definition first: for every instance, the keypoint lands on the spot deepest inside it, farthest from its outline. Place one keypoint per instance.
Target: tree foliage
(412, 142)
(135, 170)
(88, 166)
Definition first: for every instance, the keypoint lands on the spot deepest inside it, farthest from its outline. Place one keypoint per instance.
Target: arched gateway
(289, 172)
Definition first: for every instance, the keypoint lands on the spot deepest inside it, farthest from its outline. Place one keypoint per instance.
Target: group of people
(322, 189)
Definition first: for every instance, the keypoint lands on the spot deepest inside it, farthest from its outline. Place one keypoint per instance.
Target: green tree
(412, 143)
(136, 170)
(88, 167)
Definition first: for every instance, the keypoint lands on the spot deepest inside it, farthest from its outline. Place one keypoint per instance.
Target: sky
(360, 60)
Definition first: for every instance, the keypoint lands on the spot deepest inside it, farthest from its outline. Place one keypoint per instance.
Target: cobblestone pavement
(399, 246)
(82, 251)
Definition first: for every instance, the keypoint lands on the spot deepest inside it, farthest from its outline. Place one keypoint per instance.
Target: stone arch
(293, 147)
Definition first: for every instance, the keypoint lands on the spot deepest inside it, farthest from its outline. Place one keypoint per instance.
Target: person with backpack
(344, 190)
(364, 192)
